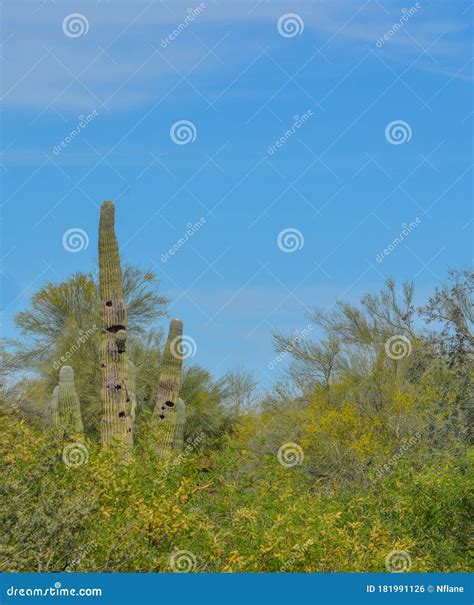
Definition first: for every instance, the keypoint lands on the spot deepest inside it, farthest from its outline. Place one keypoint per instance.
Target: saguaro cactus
(116, 426)
(178, 441)
(132, 381)
(52, 410)
(169, 385)
(69, 408)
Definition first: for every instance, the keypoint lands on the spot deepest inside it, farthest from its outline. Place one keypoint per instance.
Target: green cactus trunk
(69, 408)
(169, 386)
(132, 381)
(116, 426)
(178, 441)
(52, 410)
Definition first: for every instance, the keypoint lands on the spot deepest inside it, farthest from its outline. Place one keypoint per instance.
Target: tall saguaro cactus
(116, 426)
(69, 408)
(169, 385)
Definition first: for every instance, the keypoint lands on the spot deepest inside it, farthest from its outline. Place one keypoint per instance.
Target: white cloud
(120, 61)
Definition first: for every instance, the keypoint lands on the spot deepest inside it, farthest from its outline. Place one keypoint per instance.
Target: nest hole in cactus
(170, 404)
(115, 329)
(108, 303)
(121, 414)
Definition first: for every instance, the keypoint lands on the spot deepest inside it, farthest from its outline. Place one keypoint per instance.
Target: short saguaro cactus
(69, 407)
(165, 417)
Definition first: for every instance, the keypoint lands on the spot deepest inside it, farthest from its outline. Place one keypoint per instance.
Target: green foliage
(205, 412)
(62, 327)
(245, 513)
(377, 437)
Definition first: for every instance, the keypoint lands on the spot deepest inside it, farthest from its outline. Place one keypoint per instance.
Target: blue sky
(338, 179)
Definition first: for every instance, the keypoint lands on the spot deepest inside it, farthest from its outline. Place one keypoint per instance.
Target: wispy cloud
(119, 62)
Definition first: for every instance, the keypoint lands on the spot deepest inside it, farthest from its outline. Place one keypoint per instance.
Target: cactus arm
(116, 426)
